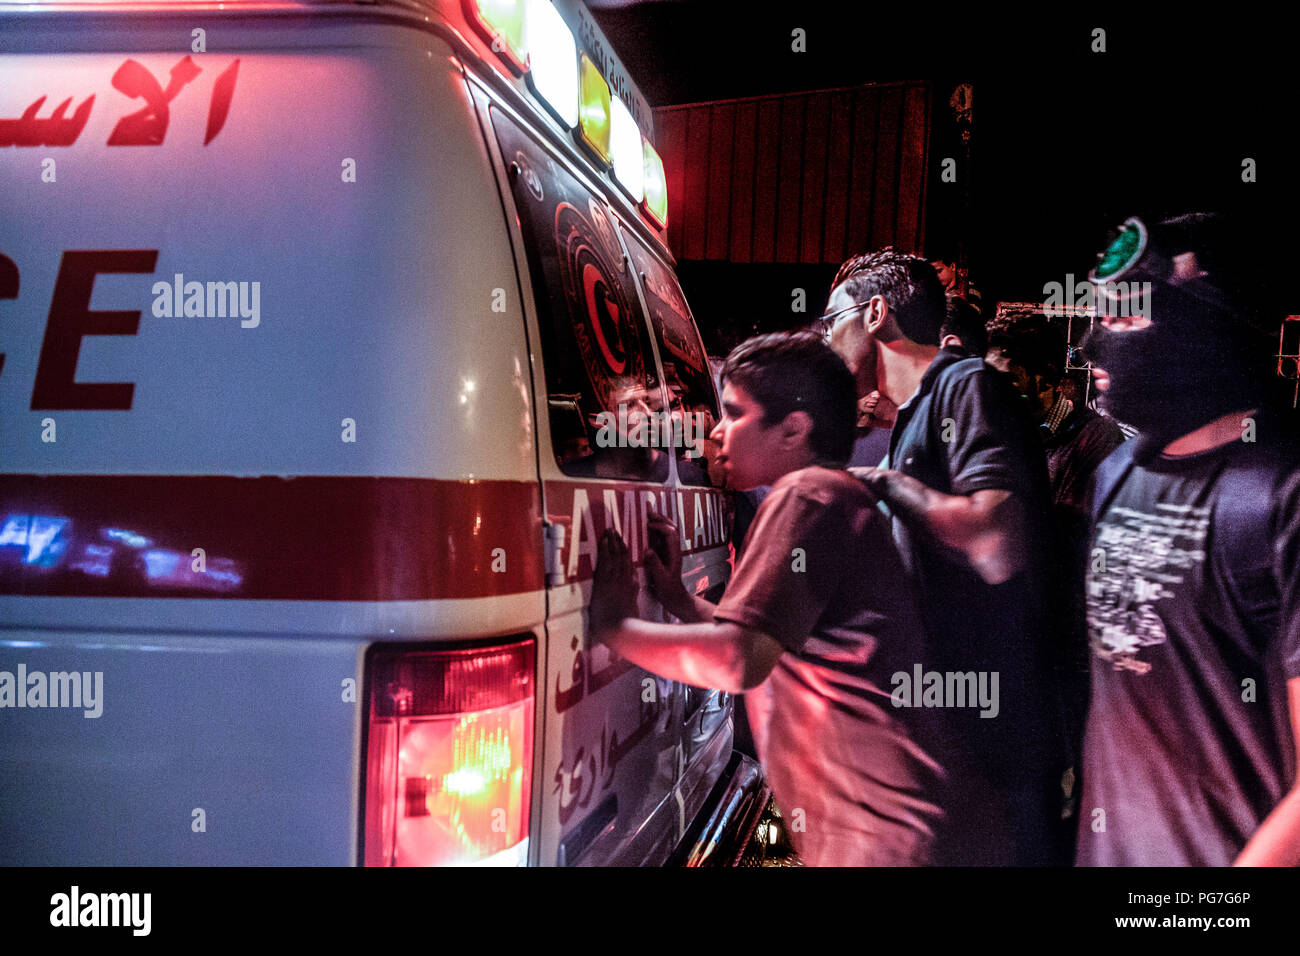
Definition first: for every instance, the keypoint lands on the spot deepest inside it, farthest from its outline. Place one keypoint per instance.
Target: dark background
(1066, 142)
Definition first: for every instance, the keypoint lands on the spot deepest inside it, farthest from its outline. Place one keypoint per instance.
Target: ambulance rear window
(686, 366)
(601, 381)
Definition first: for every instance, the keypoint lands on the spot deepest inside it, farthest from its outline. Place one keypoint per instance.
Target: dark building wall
(768, 195)
(803, 178)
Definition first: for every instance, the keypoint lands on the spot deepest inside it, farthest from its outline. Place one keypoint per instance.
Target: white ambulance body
(307, 315)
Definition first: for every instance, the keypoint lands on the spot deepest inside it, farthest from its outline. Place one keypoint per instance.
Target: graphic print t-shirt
(1194, 624)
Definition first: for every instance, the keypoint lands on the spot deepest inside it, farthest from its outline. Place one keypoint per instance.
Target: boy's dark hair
(1031, 341)
(797, 371)
(965, 321)
(908, 284)
(945, 252)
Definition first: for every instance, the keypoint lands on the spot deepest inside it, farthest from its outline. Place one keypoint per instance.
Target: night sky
(1067, 142)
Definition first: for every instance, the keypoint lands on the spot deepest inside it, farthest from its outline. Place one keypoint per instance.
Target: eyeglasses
(824, 324)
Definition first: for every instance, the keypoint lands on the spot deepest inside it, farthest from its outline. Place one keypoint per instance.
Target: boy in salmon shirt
(816, 620)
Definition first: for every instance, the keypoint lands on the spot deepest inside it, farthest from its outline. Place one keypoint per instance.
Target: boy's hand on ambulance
(663, 560)
(614, 589)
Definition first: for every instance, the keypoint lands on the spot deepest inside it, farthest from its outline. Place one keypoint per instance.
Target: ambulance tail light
(449, 756)
(655, 203)
(502, 23)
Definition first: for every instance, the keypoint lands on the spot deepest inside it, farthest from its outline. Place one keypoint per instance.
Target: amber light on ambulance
(502, 22)
(449, 756)
(655, 202)
(593, 108)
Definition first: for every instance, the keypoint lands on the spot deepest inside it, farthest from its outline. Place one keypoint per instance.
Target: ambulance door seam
(496, 164)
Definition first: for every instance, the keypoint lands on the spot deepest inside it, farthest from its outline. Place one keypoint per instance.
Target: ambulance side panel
(215, 497)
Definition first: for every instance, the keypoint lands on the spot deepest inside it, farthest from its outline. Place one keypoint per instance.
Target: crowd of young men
(911, 637)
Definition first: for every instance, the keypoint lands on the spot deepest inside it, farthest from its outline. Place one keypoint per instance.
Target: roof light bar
(625, 149)
(502, 22)
(553, 60)
(594, 108)
(655, 202)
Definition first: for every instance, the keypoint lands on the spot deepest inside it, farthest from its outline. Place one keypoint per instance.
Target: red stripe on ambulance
(314, 538)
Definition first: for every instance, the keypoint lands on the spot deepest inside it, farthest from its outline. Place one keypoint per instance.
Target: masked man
(1193, 597)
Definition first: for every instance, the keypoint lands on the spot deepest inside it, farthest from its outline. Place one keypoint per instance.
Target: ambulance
(329, 333)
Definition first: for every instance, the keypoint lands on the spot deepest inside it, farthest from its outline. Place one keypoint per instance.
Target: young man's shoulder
(960, 366)
(830, 487)
(1261, 471)
(962, 373)
(971, 388)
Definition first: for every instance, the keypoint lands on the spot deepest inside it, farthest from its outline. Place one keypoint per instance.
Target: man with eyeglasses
(967, 489)
(1193, 593)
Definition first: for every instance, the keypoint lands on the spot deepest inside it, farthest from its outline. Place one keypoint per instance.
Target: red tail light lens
(449, 756)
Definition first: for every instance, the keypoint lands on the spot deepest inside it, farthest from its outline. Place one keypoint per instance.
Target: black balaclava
(1190, 366)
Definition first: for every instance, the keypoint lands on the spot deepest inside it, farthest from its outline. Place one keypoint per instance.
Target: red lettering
(148, 125)
(8, 287)
(219, 107)
(71, 318)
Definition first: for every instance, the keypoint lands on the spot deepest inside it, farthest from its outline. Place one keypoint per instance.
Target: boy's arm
(719, 655)
(689, 608)
(1277, 841)
(774, 599)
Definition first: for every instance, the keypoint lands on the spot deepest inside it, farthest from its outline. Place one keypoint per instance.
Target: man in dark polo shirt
(816, 623)
(967, 488)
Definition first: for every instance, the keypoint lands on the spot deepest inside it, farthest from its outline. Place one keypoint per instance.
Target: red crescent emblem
(600, 305)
